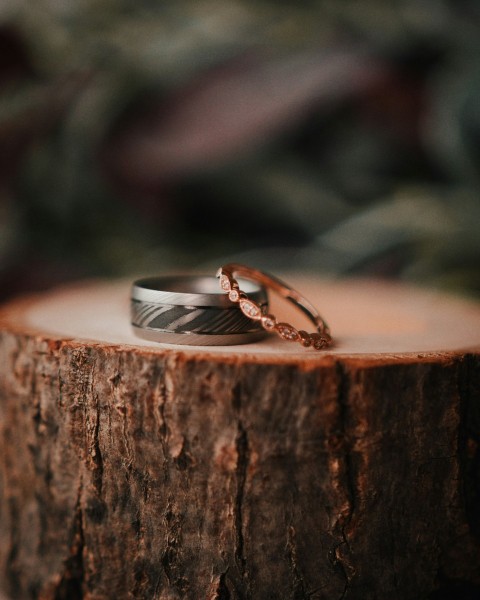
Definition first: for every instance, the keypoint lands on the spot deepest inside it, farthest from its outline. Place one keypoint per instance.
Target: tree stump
(130, 469)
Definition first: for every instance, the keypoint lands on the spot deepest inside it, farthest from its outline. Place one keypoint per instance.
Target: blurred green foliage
(333, 136)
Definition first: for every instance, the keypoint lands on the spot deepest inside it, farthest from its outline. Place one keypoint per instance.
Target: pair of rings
(197, 310)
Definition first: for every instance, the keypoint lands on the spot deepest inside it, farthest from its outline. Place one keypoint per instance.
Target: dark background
(142, 137)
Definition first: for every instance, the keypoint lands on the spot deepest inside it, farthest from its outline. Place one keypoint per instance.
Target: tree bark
(268, 471)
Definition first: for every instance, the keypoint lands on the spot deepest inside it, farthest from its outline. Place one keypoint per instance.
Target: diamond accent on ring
(305, 338)
(225, 283)
(287, 332)
(269, 322)
(320, 339)
(250, 309)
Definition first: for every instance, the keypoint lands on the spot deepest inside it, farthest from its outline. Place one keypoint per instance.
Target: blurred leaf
(452, 128)
(31, 111)
(319, 134)
(240, 105)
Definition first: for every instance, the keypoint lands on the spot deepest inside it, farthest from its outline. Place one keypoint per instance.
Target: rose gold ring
(321, 338)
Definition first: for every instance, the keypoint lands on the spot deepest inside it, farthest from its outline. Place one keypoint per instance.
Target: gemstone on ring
(250, 309)
(287, 332)
(269, 322)
(225, 283)
(319, 339)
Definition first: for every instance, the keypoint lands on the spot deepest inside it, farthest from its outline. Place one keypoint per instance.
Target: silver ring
(192, 310)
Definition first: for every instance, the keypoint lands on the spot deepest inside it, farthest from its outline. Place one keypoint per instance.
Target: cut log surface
(130, 469)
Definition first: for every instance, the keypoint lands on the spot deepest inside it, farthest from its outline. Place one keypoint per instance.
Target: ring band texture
(237, 294)
(191, 310)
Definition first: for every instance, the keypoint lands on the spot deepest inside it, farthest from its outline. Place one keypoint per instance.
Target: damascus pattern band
(192, 310)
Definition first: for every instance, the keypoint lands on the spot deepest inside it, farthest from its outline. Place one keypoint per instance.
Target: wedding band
(237, 294)
(192, 310)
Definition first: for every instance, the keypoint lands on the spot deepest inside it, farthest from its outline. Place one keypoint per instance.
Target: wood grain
(135, 470)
